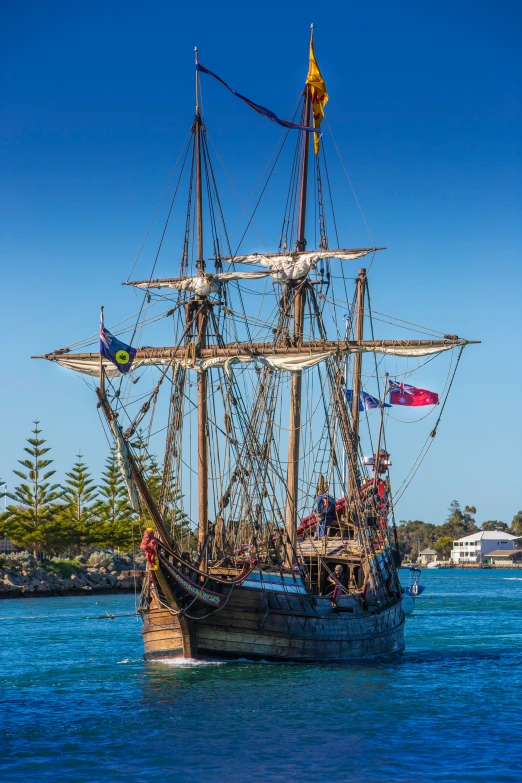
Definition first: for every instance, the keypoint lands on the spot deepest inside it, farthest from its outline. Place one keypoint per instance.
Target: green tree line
(67, 518)
(414, 535)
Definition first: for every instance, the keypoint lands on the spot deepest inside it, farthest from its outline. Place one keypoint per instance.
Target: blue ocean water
(78, 703)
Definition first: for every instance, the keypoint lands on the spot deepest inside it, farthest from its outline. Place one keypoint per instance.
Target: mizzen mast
(200, 311)
(357, 362)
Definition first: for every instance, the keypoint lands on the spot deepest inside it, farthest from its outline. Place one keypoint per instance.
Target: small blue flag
(366, 402)
(115, 351)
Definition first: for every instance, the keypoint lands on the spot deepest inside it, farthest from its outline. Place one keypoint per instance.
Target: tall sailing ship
(270, 535)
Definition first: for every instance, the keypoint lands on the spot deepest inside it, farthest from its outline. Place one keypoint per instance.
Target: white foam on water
(130, 660)
(187, 662)
(512, 578)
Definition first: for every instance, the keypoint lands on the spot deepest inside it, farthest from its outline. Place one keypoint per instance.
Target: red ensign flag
(402, 394)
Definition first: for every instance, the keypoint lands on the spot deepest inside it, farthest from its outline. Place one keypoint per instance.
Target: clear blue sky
(425, 101)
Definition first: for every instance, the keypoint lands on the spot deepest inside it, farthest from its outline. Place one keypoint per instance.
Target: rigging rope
(429, 440)
(351, 186)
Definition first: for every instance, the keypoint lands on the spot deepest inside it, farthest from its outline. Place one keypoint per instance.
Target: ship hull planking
(258, 625)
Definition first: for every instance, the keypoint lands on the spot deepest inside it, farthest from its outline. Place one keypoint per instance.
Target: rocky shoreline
(39, 583)
(22, 577)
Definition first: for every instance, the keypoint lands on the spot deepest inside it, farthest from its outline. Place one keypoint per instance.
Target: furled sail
(283, 362)
(288, 358)
(125, 468)
(282, 266)
(294, 266)
(89, 363)
(201, 285)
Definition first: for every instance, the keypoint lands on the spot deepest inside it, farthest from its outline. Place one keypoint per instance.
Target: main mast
(296, 379)
(201, 331)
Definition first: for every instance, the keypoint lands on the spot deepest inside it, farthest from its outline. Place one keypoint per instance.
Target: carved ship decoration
(241, 564)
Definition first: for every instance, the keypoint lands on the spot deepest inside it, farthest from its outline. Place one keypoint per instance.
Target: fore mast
(199, 314)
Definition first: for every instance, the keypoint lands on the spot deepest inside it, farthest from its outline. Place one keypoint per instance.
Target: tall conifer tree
(148, 465)
(32, 521)
(176, 519)
(115, 517)
(516, 525)
(151, 472)
(79, 496)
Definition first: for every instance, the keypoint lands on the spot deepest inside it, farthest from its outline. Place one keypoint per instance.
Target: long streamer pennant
(260, 109)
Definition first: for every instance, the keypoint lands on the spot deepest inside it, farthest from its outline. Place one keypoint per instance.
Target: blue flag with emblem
(366, 401)
(120, 354)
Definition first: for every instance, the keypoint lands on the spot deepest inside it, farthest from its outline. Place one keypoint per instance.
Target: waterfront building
(476, 547)
(427, 556)
(505, 557)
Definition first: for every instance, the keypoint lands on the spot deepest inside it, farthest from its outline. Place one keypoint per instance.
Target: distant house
(476, 547)
(504, 557)
(427, 556)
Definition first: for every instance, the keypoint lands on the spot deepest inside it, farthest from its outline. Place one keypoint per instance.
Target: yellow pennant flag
(318, 93)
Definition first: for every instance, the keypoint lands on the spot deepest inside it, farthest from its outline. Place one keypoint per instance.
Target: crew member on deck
(325, 508)
(338, 580)
(340, 577)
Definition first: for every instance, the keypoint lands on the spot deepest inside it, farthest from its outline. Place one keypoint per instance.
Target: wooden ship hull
(259, 625)
(234, 570)
(269, 612)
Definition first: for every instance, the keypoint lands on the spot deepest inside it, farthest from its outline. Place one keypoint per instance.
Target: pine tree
(78, 514)
(115, 518)
(415, 535)
(459, 523)
(151, 472)
(33, 520)
(444, 546)
(516, 524)
(494, 524)
(148, 465)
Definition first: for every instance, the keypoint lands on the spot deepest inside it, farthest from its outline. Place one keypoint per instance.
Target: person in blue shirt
(325, 508)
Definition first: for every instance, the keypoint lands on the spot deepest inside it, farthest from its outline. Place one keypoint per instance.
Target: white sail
(408, 350)
(282, 362)
(201, 285)
(90, 364)
(296, 362)
(287, 360)
(294, 266)
(282, 266)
